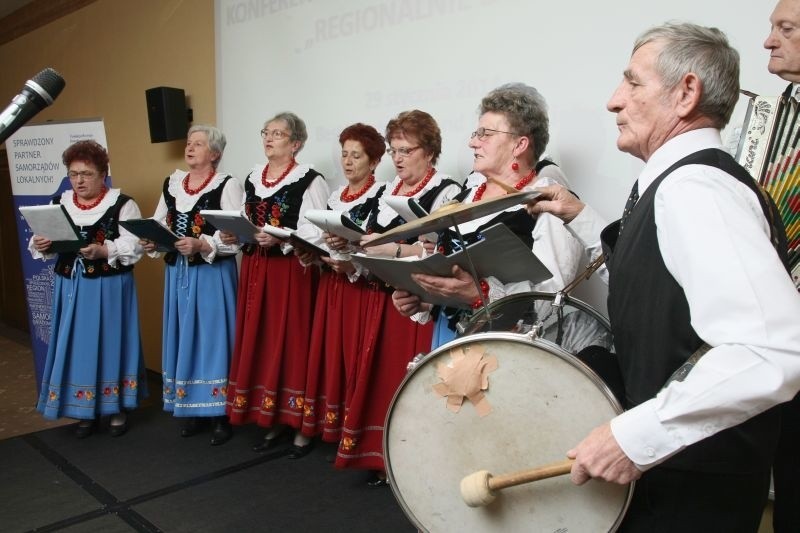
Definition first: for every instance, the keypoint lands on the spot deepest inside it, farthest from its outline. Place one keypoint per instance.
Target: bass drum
(541, 401)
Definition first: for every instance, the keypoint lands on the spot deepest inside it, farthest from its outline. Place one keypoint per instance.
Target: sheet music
(406, 207)
(409, 209)
(54, 223)
(336, 223)
(290, 235)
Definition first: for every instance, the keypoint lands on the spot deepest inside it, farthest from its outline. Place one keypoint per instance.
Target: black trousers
(670, 501)
(786, 471)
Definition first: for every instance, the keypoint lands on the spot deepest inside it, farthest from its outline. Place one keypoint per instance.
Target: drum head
(543, 402)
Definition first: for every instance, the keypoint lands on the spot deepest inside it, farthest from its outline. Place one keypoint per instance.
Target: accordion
(769, 148)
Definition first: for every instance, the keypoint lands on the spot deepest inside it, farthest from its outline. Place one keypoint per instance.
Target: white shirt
(715, 242)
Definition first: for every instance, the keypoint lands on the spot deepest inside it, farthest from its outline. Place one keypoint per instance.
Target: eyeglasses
(275, 134)
(403, 152)
(85, 174)
(482, 133)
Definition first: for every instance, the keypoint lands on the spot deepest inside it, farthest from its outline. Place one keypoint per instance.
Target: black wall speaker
(167, 114)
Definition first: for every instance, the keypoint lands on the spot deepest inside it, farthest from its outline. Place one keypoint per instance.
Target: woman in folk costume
(94, 364)
(391, 340)
(199, 288)
(512, 134)
(276, 297)
(344, 305)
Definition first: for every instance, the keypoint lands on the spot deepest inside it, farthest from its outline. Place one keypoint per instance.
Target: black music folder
(234, 222)
(150, 229)
(53, 222)
(500, 254)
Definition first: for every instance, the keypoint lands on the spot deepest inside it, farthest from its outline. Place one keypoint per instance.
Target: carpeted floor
(151, 479)
(18, 415)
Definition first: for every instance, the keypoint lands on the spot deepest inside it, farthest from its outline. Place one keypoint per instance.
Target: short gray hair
(706, 53)
(526, 111)
(216, 139)
(297, 127)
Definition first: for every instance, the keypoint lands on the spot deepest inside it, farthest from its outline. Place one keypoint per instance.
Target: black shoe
(191, 426)
(267, 443)
(377, 479)
(222, 431)
(85, 428)
(117, 430)
(296, 452)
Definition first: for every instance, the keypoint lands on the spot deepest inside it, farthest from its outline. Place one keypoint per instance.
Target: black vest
(105, 229)
(281, 210)
(191, 224)
(652, 330)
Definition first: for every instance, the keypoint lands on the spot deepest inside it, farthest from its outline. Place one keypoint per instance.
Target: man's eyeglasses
(403, 152)
(482, 133)
(275, 134)
(85, 174)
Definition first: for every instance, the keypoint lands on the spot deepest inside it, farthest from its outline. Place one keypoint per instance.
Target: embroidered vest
(191, 224)
(281, 210)
(105, 229)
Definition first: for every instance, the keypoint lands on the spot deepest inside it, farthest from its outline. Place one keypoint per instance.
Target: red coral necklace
(86, 207)
(202, 186)
(280, 178)
(347, 198)
(519, 185)
(421, 185)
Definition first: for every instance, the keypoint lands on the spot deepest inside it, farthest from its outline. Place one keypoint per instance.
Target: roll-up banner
(37, 175)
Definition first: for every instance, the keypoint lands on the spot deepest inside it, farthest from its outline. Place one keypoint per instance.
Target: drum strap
(685, 368)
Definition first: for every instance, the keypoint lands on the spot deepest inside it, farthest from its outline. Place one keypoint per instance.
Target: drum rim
(495, 335)
(568, 300)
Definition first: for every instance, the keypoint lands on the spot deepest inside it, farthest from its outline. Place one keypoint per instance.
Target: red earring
(514, 166)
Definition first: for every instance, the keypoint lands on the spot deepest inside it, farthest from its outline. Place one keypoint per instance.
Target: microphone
(37, 94)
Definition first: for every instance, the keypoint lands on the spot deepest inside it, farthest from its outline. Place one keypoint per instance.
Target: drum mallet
(479, 488)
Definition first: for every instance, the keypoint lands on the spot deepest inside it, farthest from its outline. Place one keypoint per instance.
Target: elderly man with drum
(699, 242)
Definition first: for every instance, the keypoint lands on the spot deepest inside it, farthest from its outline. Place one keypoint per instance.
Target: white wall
(336, 62)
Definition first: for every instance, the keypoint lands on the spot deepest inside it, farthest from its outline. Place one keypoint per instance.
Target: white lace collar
(184, 201)
(294, 175)
(335, 201)
(86, 217)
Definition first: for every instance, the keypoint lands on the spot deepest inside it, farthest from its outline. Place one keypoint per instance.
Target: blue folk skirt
(94, 362)
(199, 326)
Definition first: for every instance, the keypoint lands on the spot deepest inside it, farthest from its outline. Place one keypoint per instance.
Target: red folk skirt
(274, 309)
(390, 342)
(341, 320)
